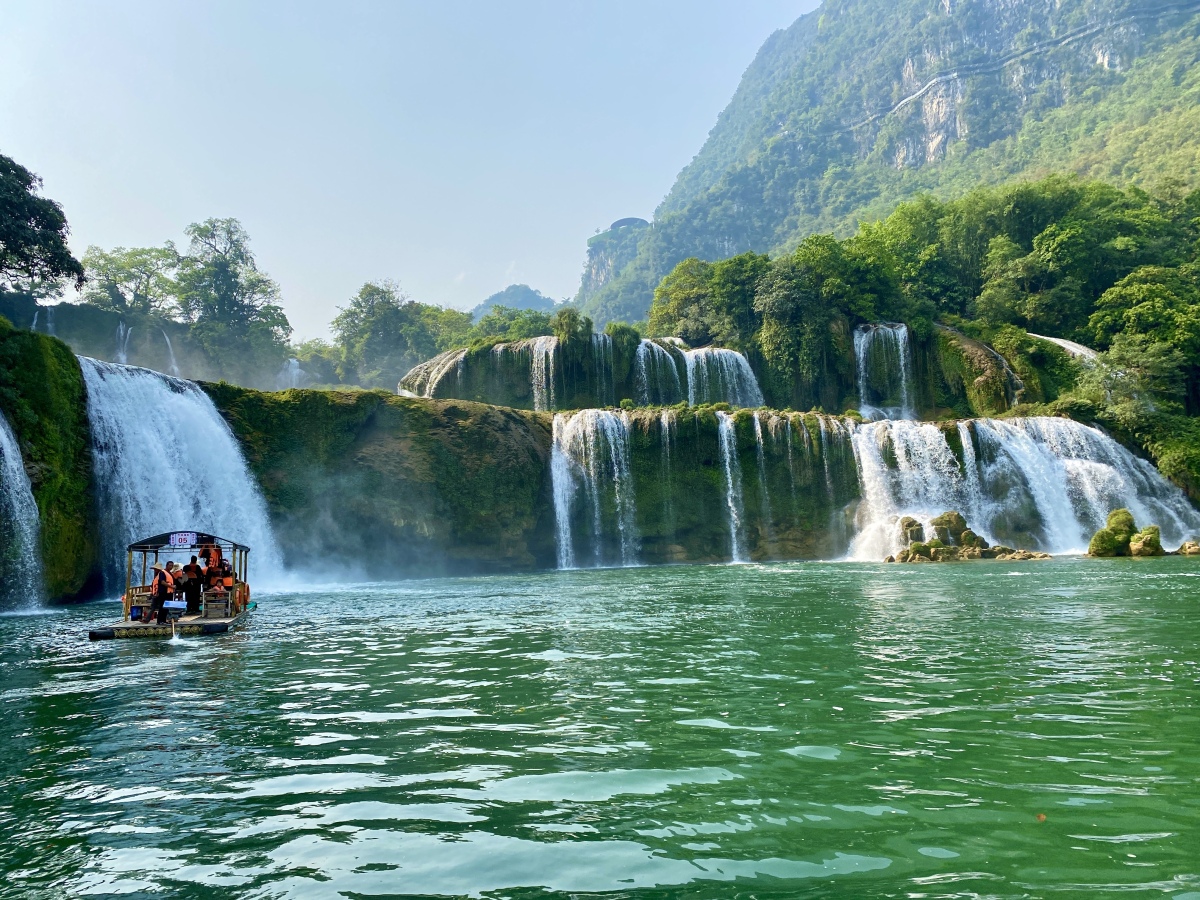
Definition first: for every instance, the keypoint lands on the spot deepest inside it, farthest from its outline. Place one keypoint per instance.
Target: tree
(131, 281)
(570, 326)
(232, 306)
(682, 304)
(732, 286)
(33, 231)
(382, 334)
(508, 324)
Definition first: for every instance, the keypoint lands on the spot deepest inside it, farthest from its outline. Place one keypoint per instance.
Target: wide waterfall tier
(165, 460)
(1039, 483)
(660, 374)
(594, 505)
(673, 485)
(21, 581)
(884, 365)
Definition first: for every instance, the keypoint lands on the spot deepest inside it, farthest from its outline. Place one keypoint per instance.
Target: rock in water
(1190, 548)
(1113, 539)
(1146, 542)
(952, 523)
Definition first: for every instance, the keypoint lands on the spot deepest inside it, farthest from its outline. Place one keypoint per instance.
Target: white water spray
(656, 376)
(883, 358)
(717, 375)
(727, 438)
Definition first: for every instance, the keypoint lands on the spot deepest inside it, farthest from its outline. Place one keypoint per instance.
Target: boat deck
(185, 626)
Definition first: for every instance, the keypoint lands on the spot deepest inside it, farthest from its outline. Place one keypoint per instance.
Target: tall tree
(33, 231)
(137, 280)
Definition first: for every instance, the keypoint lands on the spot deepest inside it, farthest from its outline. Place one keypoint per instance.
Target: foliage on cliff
(42, 396)
(390, 486)
(859, 106)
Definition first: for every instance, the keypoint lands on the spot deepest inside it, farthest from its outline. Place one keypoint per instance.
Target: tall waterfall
(165, 460)
(1042, 483)
(656, 376)
(763, 488)
(727, 436)
(605, 384)
(172, 366)
(591, 474)
(883, 357)
(667, 426)
(291, 376)
(122, 352)
(716, 375)
(20, 532)
(541, 371)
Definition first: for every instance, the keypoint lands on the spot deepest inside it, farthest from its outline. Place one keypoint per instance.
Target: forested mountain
(860, 105)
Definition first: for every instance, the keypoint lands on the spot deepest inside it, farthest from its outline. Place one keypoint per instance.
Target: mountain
(860, 105)
(515, 296)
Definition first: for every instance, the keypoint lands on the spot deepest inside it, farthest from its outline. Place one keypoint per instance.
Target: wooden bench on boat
(221, 610)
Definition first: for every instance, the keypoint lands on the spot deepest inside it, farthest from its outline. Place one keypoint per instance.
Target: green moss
(43, 397)
(396, 485)
(1120, 522)
(1107, 543)
(1147, 542)
(974, 382)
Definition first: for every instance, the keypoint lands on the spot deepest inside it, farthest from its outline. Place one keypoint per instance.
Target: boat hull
(192, 628)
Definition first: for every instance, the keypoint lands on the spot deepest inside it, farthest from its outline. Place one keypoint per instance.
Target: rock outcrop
(953, 541)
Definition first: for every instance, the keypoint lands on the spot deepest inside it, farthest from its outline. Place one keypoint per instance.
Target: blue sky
(455, 147)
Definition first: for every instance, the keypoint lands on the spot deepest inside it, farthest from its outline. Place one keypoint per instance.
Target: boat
(224, 605)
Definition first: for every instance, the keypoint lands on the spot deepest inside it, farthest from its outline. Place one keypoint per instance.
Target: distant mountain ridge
(858, 106)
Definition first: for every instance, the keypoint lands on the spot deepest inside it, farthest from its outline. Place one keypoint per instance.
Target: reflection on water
(752, 731)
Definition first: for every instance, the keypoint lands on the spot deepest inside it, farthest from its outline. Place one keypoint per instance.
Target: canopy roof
(181, 540)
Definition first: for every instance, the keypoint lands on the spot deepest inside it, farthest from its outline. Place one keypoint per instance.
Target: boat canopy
(182, 540)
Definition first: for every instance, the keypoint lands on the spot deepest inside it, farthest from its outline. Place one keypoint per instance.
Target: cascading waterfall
(717, 375)
(602, 351)
(883, 358)
(541, 371)
(727, 437)
(50, 321)
(122, 352)
(764, 489)
(1078, 351)
(590, 470)
(291, 376)
(656, 376)
(21, 580)
(666, 426)
(165, 460)
(1042, 483)
(36, 313)
(172, 366)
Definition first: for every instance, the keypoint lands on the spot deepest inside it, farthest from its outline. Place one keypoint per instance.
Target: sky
(454, 147)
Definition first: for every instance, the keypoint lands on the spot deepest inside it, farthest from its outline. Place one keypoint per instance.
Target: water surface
(802, 730)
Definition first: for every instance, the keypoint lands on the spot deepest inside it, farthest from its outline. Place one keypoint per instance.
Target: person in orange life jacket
(162, 588)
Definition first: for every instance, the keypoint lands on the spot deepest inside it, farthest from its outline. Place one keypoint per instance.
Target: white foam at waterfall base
(1046, 483)
(21, 582)
(590, 472)
(717, 375)
(164, 461)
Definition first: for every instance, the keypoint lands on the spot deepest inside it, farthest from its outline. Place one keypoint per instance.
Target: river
(793, 730)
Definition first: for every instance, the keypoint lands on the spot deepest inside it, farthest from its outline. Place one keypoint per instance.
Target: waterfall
(165, 460)
(1079, 351)
(21, 581)
(764, 490)
(590, 470)
(727, 446)
(602, 354)
(666, 425)
(716, 375)
(50, 321)
(291, 376)
(422, 380)
(541, 371)
(883, 358)
(656, 376)
(36, 313)
(122, 352)
(1042, 483)
(172, 366)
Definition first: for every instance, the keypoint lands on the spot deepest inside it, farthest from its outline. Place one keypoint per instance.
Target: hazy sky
(456, 147)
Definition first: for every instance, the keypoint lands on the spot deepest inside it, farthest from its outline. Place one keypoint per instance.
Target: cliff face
(859, 105)
(42, 397)
(387, 487)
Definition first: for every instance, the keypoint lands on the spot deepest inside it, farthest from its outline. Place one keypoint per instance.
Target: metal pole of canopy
(128, 583)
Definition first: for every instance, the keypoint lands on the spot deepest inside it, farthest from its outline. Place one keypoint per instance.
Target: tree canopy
(33, 231)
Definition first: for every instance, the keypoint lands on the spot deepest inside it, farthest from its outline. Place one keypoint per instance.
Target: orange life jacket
(163, 580)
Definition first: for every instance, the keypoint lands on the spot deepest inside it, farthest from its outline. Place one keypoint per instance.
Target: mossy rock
(969, 539)
(1147, 542)
(920, 549)
(1107, 544)
(1190, 548)
(1120, 522)
(953, 523)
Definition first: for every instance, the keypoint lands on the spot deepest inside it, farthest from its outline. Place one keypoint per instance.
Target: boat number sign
(183, 539)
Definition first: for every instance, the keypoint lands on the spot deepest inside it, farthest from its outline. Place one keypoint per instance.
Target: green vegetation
(42, 397)
(813, 139)
(33, 232)
(517, 297)
(1121, 537)
(403, 486)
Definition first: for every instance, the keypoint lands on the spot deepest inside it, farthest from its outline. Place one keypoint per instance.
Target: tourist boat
(221, 610)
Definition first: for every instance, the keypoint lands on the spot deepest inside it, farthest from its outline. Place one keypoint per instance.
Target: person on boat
(191, 587)
(214, 582)
(162, 588)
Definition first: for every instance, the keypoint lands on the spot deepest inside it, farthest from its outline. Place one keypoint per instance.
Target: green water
(806, 730)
